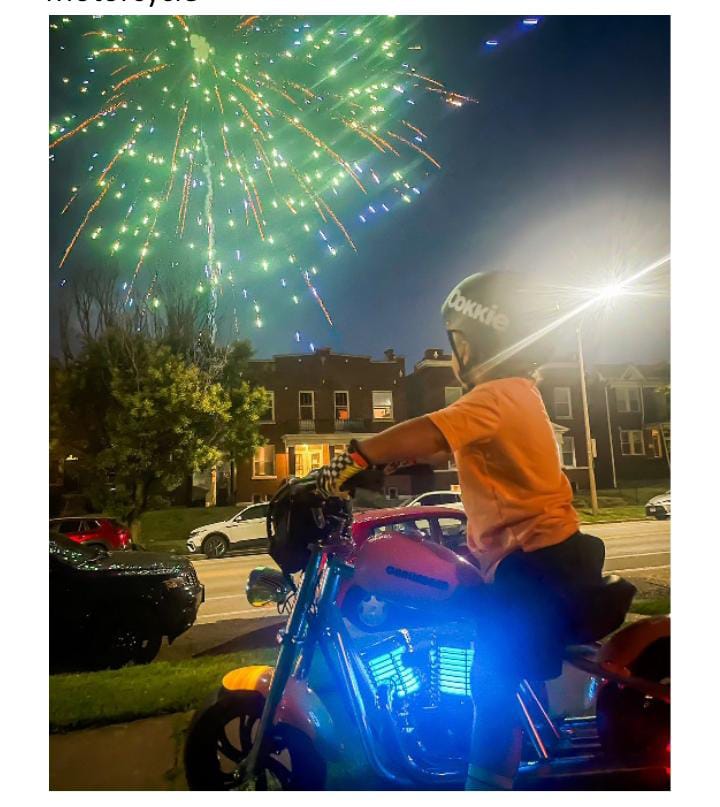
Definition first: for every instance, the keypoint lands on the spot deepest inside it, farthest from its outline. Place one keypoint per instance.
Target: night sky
(563, 165)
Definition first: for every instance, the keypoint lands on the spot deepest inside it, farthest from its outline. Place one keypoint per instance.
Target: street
(632, 547)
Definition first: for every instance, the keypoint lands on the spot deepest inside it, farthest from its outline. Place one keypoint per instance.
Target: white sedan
(244, 530)
(659, 506)
(434, 498)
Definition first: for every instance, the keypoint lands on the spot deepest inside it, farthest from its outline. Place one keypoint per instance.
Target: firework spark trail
(417, 148)
(219, 100)
(113, 50)
(378, 142)
(425, 78)
(104, 111)
(184, 200)
(68, 203)
(255, 125)
(325, 147)
(173, 161)
(247, 22)
(137, 76)
(318, 298)
(212, 264)
(414, 128)
(293, 119)
(115, 158)
(141, 261)
(93, 207)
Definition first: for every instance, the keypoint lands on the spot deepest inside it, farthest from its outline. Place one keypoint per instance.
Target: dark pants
(525, 620)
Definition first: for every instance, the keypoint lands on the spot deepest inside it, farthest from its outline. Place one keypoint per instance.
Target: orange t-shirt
(515, 493)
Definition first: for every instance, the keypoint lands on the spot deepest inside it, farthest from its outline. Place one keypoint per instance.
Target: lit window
(631, 442)
(264, 462)
(382, 405)
(342, 406)
(656, 443)
(628, 399)
(562, 404)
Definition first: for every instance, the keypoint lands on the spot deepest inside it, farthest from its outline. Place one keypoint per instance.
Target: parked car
(659, 506)
(111, 608)
(442, 524)
(433, 498)
(246, 529)
(93, 531)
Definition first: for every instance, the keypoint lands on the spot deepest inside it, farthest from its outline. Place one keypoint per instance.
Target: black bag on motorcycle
(298, 517)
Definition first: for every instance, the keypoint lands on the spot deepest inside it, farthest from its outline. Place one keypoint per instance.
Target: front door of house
(307, 458)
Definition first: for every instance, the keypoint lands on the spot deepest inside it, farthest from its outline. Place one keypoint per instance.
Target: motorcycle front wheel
(221, 735)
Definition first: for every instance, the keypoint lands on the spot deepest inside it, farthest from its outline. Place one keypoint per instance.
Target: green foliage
(145, 402)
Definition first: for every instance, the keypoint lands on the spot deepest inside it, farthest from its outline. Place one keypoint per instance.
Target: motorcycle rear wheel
(221, 735)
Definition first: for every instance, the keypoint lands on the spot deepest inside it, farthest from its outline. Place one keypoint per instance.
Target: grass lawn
(652, 606)
(168, 530)
(619, 504)
(79, 700)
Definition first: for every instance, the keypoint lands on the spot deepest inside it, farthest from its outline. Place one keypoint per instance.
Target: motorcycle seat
(599, 610)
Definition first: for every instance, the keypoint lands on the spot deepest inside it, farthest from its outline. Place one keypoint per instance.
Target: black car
(111, 608)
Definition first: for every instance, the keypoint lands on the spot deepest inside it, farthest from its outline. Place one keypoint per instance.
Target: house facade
(628, 409)
(317, 403)
(637, 399)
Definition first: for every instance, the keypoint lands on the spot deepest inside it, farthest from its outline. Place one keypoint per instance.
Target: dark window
(255, 512)
(453, 530)
(69, 527)
(440, 498)
(419, 527)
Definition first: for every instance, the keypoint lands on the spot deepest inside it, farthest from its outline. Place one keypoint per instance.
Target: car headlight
(196, 532)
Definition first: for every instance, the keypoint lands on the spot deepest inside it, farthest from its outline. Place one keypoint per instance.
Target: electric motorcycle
(372, 684)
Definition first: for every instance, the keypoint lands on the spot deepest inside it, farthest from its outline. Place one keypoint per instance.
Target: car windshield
(406, 500)
(70, 552)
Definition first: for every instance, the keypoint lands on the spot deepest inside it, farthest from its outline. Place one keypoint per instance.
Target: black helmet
(299, 516)
(500, 313)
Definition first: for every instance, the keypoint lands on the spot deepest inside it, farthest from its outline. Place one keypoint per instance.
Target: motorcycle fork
(291, 642)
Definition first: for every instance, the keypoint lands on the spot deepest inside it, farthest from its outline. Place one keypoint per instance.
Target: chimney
(436, 353)
(390, 354)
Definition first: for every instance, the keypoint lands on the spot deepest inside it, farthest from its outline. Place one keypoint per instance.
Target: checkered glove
(331, 478)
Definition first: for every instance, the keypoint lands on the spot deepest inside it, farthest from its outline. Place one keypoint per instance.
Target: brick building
(318, 403)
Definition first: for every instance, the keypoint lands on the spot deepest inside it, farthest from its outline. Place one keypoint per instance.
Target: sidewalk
(142, 755)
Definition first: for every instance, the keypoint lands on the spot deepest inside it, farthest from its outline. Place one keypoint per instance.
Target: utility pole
(588, 436)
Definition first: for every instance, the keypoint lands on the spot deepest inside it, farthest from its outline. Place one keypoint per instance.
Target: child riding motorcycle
(522, 528)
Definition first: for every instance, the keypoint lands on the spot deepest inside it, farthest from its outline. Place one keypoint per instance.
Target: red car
(443, 525)
(93, 531)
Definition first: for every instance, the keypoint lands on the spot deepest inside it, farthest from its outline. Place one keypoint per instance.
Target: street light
(586, 419)
(605, 294)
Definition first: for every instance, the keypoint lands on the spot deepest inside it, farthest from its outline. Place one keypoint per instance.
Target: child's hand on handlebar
(342, 468)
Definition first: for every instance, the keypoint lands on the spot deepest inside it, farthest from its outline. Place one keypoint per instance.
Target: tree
(147, 400)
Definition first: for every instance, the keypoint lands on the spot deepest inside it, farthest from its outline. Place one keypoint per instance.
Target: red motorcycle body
(411, 571)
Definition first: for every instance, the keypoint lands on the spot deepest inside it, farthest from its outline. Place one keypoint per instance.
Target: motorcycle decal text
(420, 579)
